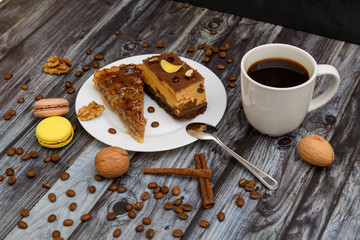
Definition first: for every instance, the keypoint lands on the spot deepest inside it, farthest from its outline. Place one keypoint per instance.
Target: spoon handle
(265, 178)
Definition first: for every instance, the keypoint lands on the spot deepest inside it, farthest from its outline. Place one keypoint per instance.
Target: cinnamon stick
(199, 173)
(206, 191)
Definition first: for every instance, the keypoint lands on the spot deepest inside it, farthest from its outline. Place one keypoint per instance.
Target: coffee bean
(99, 57)
(159, 195)
(52, 218)
(78, 74)
(241, 105)
(26, 156)
(138, 206)
(169, 205)
(150, 233)
(10, 172)
(249, 187)
(178, 210)
(112, 130)
(221, 216)
(24, 212)
(70, 90)
(121, 189)
(68, 222)
(151, 109)
(146, 221)
(164, 189)
(117, 32)
(182, 216)
(176, 191)
(47, 159)
(55, 157)
(230, 60)
(11, 180)
(86, 68)
(7, 116)
(95, 64)
(64, 176)
(73, 206)
(220, 67)
(205, 59)
(11, 151)
(139, 228)
(190, 49)
(39, 97)
(215, 49)
(155, 124)
(232, 78)
(223, 48)
(152, 185)
(8, 76)
(208, 52)
(12, 112)
(240, 202)
(113, 187)
(129, 207)
(46, 185)
(92, 189)
(88, 52)
(68, 84)
(252, 182)
(21, 100)
(213, 32)
(52, 197)
(22, 225)
(131, 214)
(19, 151)
(177, 233)
(227, 45)
(117, 233)
(1, 178)
(110, 216)
(145, 195)
(204, 223)
(186, 5)
(160, 45)
(24, 87)
(70, 193)
(254, 195)
(187, 207)
(86, 217)
(178, 202)
(98, 177)
(222, 54)
(34, 154)
(30, 173)
(231, 84)
(56, 233)
(145, 44)
(157, 189)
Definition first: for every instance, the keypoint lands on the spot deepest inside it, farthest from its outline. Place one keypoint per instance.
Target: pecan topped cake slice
(121, 88)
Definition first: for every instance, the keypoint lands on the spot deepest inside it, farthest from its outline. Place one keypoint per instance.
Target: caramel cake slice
(121, 88)
(174, 85)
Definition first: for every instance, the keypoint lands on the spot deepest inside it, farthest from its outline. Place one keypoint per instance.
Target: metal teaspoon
(205, 131)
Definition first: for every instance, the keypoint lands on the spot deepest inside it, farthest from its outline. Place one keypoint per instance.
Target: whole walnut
(112, 162)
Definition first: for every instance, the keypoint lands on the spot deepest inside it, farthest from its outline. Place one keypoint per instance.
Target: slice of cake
(174, 85)
(121, 88)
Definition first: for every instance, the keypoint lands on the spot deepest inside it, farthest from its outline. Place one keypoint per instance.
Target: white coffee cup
(278, 111)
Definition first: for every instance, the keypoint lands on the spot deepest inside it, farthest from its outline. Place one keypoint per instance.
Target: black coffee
(278, 72)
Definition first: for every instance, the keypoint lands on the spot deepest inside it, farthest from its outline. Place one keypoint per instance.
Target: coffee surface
(278, 72)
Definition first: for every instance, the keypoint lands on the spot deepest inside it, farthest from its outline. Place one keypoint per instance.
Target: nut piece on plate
(90, 111)
(56, 65)
(315, 150)
(112, 162)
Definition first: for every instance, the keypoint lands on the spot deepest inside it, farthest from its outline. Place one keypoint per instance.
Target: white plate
(171, 133)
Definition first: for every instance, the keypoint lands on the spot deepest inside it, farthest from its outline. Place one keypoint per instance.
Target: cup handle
(325, 69)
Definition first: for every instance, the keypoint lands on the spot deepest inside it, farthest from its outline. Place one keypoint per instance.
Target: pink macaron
(49, 107)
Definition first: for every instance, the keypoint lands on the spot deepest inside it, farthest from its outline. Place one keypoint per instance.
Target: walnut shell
(315, 150)
(112, 162)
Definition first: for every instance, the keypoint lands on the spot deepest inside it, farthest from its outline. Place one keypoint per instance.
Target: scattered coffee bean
(213, 32)
(150, 233)
(254, 195)
(24, 212)
(56, 233)
(129, 207)
(110, 216)
(46, 185)
(78, 74)
(73, 206)
(138, 206)
(176, 191)
(52, 218)
(159, 195)
(19, 151)
(152, 185)
(223, 48)
(86, 217)
(131, 214)
(139, 228)
(1, 178)
(249, 187)
(186, 5)
(230, 60)
(64, 176)
(169, 205)
(208, 52)
(34, 154)
(178, 202)
(55, 157)
(88, 52)
(155, 124)
(22, 225)
(231, 84)
(7, 116)
(117, 32)
(151, 109)
(47, 159)
(24, 87)
(178, 210)
(241, 105)
(157, 189)
(11, 151)
(30, 173)
(68, 222)
(121, 189)
(113, 187)
(11, 180)
(117, 233)
(204, 223)
(222, 54)
(92, 189)
(145, 195)
(240, 202)
(99, 57)
(12, 112)
(39, 97)
(205, 59)
(52, 197)
(95, 64)
(68, 84)
(182, 216)
(190, 49)
(252, 182)
(70, 90)
(177, 233)
(221, 216)
(187, 207)
(112, 130)
(160, 45)
(145, 44)
(164, 189)
(74, 126)
(86, 68)
(98, 177)
(70, 193)
(215, 49)
(8, 76)
(146, 221)
(232, 78)
(227, 45)
(10, 172)
(21, 100)
(220, 67)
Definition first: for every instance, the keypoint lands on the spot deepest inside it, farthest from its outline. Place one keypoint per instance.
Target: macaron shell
(54, 132)
(48, 107)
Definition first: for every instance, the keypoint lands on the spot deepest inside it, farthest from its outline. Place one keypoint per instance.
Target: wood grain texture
(310, 203)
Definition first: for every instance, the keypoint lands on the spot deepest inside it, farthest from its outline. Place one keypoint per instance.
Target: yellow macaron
(54, 132)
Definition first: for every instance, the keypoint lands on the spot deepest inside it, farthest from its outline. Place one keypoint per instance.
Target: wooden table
(310, 202)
